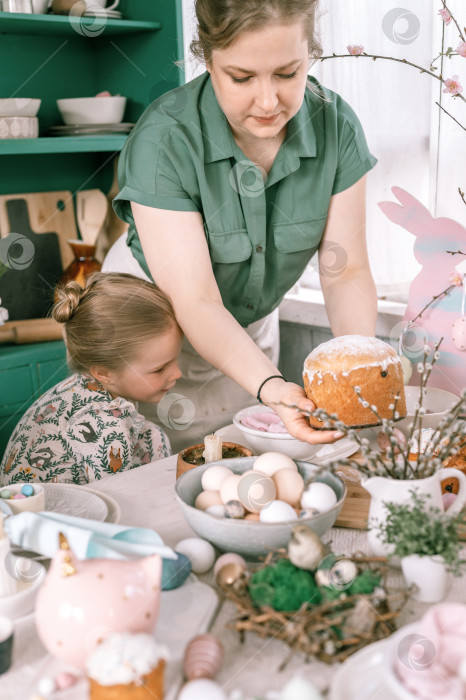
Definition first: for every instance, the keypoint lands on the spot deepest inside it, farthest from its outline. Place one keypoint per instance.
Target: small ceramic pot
(428, 574)
(186, 457)
(33, 504)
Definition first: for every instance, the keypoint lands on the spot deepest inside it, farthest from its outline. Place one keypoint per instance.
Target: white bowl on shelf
(19, 127)
(261, 441)
(19, 106)
(92, 110)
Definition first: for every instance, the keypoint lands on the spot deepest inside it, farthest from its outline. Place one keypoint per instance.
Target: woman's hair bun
(67, 301)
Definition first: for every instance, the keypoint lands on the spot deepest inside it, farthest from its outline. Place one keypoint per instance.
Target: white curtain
(418, 147)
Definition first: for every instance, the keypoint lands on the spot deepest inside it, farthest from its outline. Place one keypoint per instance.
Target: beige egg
(256, 490)
(229, 488)
(207, 499)
(252, 516)
(213, 477)
(290, 486)
(271, 462)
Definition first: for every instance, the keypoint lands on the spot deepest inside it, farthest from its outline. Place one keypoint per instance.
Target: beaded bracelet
(273, 376)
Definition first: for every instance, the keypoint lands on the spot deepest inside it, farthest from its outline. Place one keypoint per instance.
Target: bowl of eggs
(249, 505)
(263, 431)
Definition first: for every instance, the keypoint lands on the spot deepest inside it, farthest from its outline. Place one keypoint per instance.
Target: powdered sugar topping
(349, 352)
(125, 658)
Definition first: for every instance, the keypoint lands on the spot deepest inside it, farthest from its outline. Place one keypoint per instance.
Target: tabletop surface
(146, 498)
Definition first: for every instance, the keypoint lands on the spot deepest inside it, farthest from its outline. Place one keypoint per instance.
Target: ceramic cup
(34, 503)
(40, 7)
(6, 643)
(17, 6)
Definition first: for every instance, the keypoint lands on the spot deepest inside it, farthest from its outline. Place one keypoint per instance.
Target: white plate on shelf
(91, 129)
(71, 499)
(360, 677)
(327, 453)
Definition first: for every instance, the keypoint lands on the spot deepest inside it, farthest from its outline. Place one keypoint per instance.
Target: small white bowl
(437, 402)
(30, 575)
(19, 106)
(246, 537)
(34, 503)
(260, 441)
(19, 128)
(92, 110)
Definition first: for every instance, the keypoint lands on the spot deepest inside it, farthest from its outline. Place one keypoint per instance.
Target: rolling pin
(34, 330)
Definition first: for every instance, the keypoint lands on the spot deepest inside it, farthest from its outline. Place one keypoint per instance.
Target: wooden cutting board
(48, 211)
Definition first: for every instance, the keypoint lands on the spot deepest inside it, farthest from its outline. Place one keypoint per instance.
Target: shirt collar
(300, 140)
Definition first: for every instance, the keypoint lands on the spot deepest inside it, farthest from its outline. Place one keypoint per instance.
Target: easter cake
(127, 667)
(337, 371)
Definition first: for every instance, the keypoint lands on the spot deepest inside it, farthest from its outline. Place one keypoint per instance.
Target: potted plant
(426, 540)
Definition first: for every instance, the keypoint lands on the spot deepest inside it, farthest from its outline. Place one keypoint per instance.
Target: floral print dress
(76, 433)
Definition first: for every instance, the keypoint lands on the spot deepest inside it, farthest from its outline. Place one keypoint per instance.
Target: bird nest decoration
(328, 614)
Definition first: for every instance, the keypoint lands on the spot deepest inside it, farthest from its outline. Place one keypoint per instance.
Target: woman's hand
(277, 392)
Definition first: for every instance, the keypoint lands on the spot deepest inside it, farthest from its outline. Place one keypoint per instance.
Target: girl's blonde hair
(221, 21)
(107, 322)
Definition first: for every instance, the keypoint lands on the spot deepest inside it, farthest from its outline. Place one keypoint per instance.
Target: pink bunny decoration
(433, 238)
(81, 602)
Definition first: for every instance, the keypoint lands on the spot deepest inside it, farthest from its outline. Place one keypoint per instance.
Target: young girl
(123, 342)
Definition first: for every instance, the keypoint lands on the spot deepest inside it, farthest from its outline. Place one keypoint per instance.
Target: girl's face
(260, 79)
(152, 374)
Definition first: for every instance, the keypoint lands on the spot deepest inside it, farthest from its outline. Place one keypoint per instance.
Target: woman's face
(152, 373)
(260, 79)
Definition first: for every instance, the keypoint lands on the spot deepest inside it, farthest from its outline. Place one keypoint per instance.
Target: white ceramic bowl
(34, 503)
(19, 107)
(260, 441)
(19, 128)
(92, 110)
(246, 537)
(30, 576)
(437, 403)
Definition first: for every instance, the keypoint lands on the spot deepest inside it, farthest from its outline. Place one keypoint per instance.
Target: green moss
(284, 587)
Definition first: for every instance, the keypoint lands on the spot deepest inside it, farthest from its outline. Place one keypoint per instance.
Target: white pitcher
(383, 490)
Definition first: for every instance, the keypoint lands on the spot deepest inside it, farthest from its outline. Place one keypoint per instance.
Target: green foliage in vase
(417, 528)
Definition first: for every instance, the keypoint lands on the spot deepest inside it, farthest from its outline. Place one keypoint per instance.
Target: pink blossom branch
(454, 20)
(444, 293)
(464, 200)
(451, 115)
(456, 252)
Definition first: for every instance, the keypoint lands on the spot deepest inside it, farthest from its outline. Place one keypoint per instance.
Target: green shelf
(63, 144)
(58, 25)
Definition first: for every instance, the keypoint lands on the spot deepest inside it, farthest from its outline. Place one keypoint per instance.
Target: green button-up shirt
(182, 156)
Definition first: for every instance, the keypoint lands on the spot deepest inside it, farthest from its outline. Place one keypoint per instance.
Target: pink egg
(448, 499)
(384, 443)
(65, 680)
(458, 333)
(203, 657)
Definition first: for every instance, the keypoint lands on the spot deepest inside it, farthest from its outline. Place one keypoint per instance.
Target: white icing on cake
(348, 352)
(125, 658)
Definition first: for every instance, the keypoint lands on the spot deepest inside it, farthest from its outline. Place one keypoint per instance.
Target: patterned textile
(76, 433)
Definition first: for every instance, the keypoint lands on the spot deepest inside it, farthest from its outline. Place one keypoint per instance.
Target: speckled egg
(203, 657)
(202, 689)
(207, 499)
(213, 477)
(256, 490)
(229, 488)
(290, 486)
(319, 496)
(458, 333)
(278, 512)
(271, 462)
(200, 553)
(307, 512)
(234, 509)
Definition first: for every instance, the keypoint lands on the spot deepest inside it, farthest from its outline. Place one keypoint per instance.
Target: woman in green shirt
(230, 184)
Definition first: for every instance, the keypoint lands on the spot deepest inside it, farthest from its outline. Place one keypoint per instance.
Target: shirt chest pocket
(292, 237)
(230, 247)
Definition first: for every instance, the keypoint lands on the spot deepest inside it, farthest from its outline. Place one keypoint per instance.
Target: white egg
(271, 462)
(206, 499)
(218, 511)
(200, 553)
(319, 496)
(300, 689)
(229, 488)
(202, 689)
(213, 477)
(278, 512)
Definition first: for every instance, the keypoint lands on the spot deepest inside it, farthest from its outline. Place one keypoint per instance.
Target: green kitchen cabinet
(26, 372)
(52, 57)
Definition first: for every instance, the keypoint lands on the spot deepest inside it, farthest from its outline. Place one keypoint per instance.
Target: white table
(146, 498)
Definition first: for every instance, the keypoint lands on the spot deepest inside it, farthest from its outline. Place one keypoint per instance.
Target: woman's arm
(177, 254)
(345, 276)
